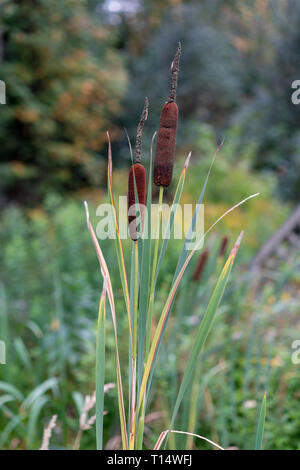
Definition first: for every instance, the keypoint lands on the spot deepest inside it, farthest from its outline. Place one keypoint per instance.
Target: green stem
(100, 372)
(140, 433)
(136, 286)
(149, 317)
(154, 266)
(135, 342)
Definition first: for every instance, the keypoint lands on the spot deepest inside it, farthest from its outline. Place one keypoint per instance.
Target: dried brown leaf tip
(138, 144)
(237, 245)
(137, 179)
(166, 138)
(174, 74)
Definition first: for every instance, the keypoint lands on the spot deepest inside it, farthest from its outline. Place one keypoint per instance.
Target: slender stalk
(134, 352)
(100, 370)
(260, 424)
(193, 408)
(140, 433)
(154, 266)
(149, 317)
(76, 445)
(136, 286)
(110, 295)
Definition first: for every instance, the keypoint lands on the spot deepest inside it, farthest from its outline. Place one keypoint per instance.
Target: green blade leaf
(49, 384)
(118, 242)
(12, 390)
(185, 252)
(110, 294)
(143, 325)
(205, 326)
(32, 427)
(100, 370)
(159, 332)
(260, 424)
(170, 224)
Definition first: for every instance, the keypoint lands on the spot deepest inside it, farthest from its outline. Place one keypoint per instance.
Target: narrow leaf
(260, 424)
(166, 310)
(145, 277)
(118, 242)
(100, 370)
(205, 326)
(165, 433)
(185, 251)
(170, 224)
(108, 287)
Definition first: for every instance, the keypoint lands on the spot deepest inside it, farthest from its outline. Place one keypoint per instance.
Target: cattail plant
(144, 335)
(137, 179)
(166, 137)
(136, 196)
(164, 158)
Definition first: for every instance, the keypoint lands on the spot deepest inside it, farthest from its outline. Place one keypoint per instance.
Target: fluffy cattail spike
(166, 138)
(138, 145)
(174, 76)
(137, 179)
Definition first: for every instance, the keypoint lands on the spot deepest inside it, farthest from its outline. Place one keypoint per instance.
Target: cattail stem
(174, 72)
(137, 179)
(136, 280)
(193, 414)
(140, 433)
(154, 266)
(149, 316)
(138, 144)
(135, 342)
(136, 195)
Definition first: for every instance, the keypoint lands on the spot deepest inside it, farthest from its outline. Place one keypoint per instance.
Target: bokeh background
(74, 69)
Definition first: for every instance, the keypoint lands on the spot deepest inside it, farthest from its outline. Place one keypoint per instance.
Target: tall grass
(140, 378)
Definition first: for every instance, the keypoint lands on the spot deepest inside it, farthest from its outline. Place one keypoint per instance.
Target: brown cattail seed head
(166, 143)
(136, 187)
(200, 266)
(223, 246)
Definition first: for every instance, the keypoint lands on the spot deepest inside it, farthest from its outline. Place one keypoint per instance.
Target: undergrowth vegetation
(49, 288)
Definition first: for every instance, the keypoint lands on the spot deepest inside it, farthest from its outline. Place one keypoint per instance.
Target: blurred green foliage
(75, 69)
(64, 83)
(237, 67)
(233, 179)
(49, 289)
